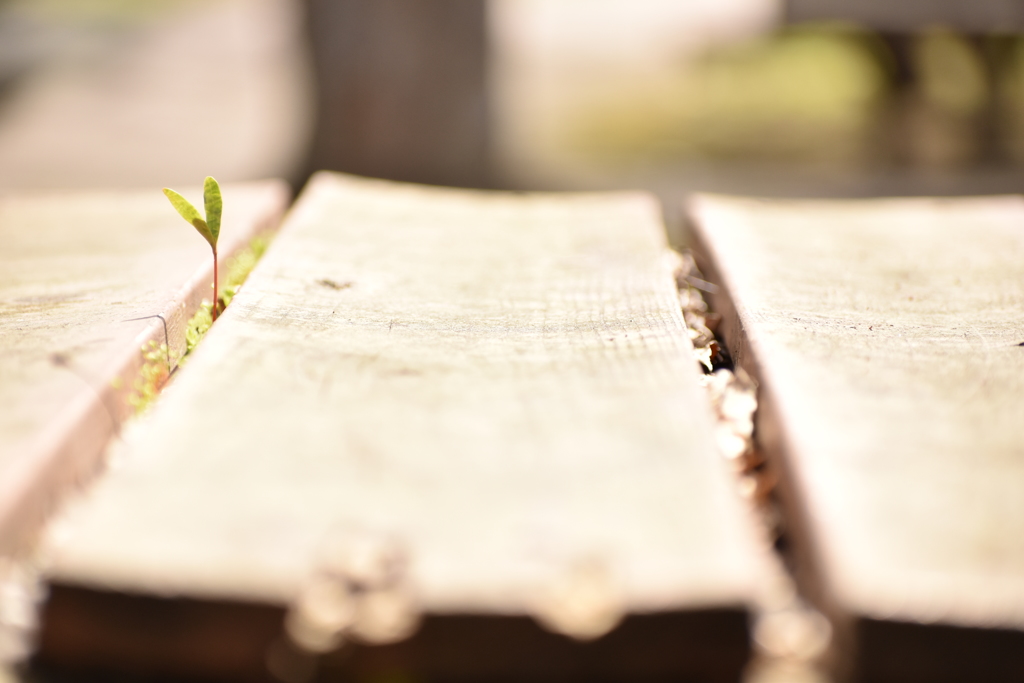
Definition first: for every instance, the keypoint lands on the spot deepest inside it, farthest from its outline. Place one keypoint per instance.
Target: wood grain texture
(886, 335)
(502, 382)
(74, 269)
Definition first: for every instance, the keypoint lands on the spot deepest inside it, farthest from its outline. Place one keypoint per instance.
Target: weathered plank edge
(146, 635)
(773, 440)
(70, 450)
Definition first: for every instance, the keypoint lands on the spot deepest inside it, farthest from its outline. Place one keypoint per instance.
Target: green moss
(238, 268)
(241, 264)
(158, 365)
(197, 327)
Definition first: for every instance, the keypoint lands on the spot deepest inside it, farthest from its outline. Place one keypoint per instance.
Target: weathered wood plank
(886, 335)
(74, 270)
(498, 388)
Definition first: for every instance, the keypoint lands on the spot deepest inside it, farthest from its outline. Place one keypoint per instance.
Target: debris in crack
(733, 397)
(790, 637)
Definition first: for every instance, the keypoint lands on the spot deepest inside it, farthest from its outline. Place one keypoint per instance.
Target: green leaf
(214, 205)
(191, 214)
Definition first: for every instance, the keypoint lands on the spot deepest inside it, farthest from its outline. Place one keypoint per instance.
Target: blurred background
(769, 97)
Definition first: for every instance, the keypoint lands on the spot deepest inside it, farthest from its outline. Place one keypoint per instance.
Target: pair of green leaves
(214, 204)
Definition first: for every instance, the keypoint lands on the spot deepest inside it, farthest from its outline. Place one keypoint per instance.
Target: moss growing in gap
(158, 363)
(153, 375)
(238, 268)
(241, 264)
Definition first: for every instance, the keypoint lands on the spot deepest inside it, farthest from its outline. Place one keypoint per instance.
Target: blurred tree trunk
(402, 89)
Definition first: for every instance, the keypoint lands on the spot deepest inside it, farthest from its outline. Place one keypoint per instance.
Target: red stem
(214, 310)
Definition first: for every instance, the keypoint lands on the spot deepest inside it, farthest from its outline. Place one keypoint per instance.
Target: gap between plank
(790, 637)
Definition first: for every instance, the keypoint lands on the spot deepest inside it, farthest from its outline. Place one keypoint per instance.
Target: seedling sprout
(208, 228)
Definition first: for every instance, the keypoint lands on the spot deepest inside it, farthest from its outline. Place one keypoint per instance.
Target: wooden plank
(886, 335)
(75, 270)
(492, 394)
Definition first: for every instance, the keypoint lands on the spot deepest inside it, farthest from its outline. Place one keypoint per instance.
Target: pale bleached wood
(503, 382)
(74, 268)
(887, 334)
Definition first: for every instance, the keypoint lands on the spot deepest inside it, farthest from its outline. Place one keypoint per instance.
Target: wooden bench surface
(500, 385)
(887, 337)
(74, 270)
